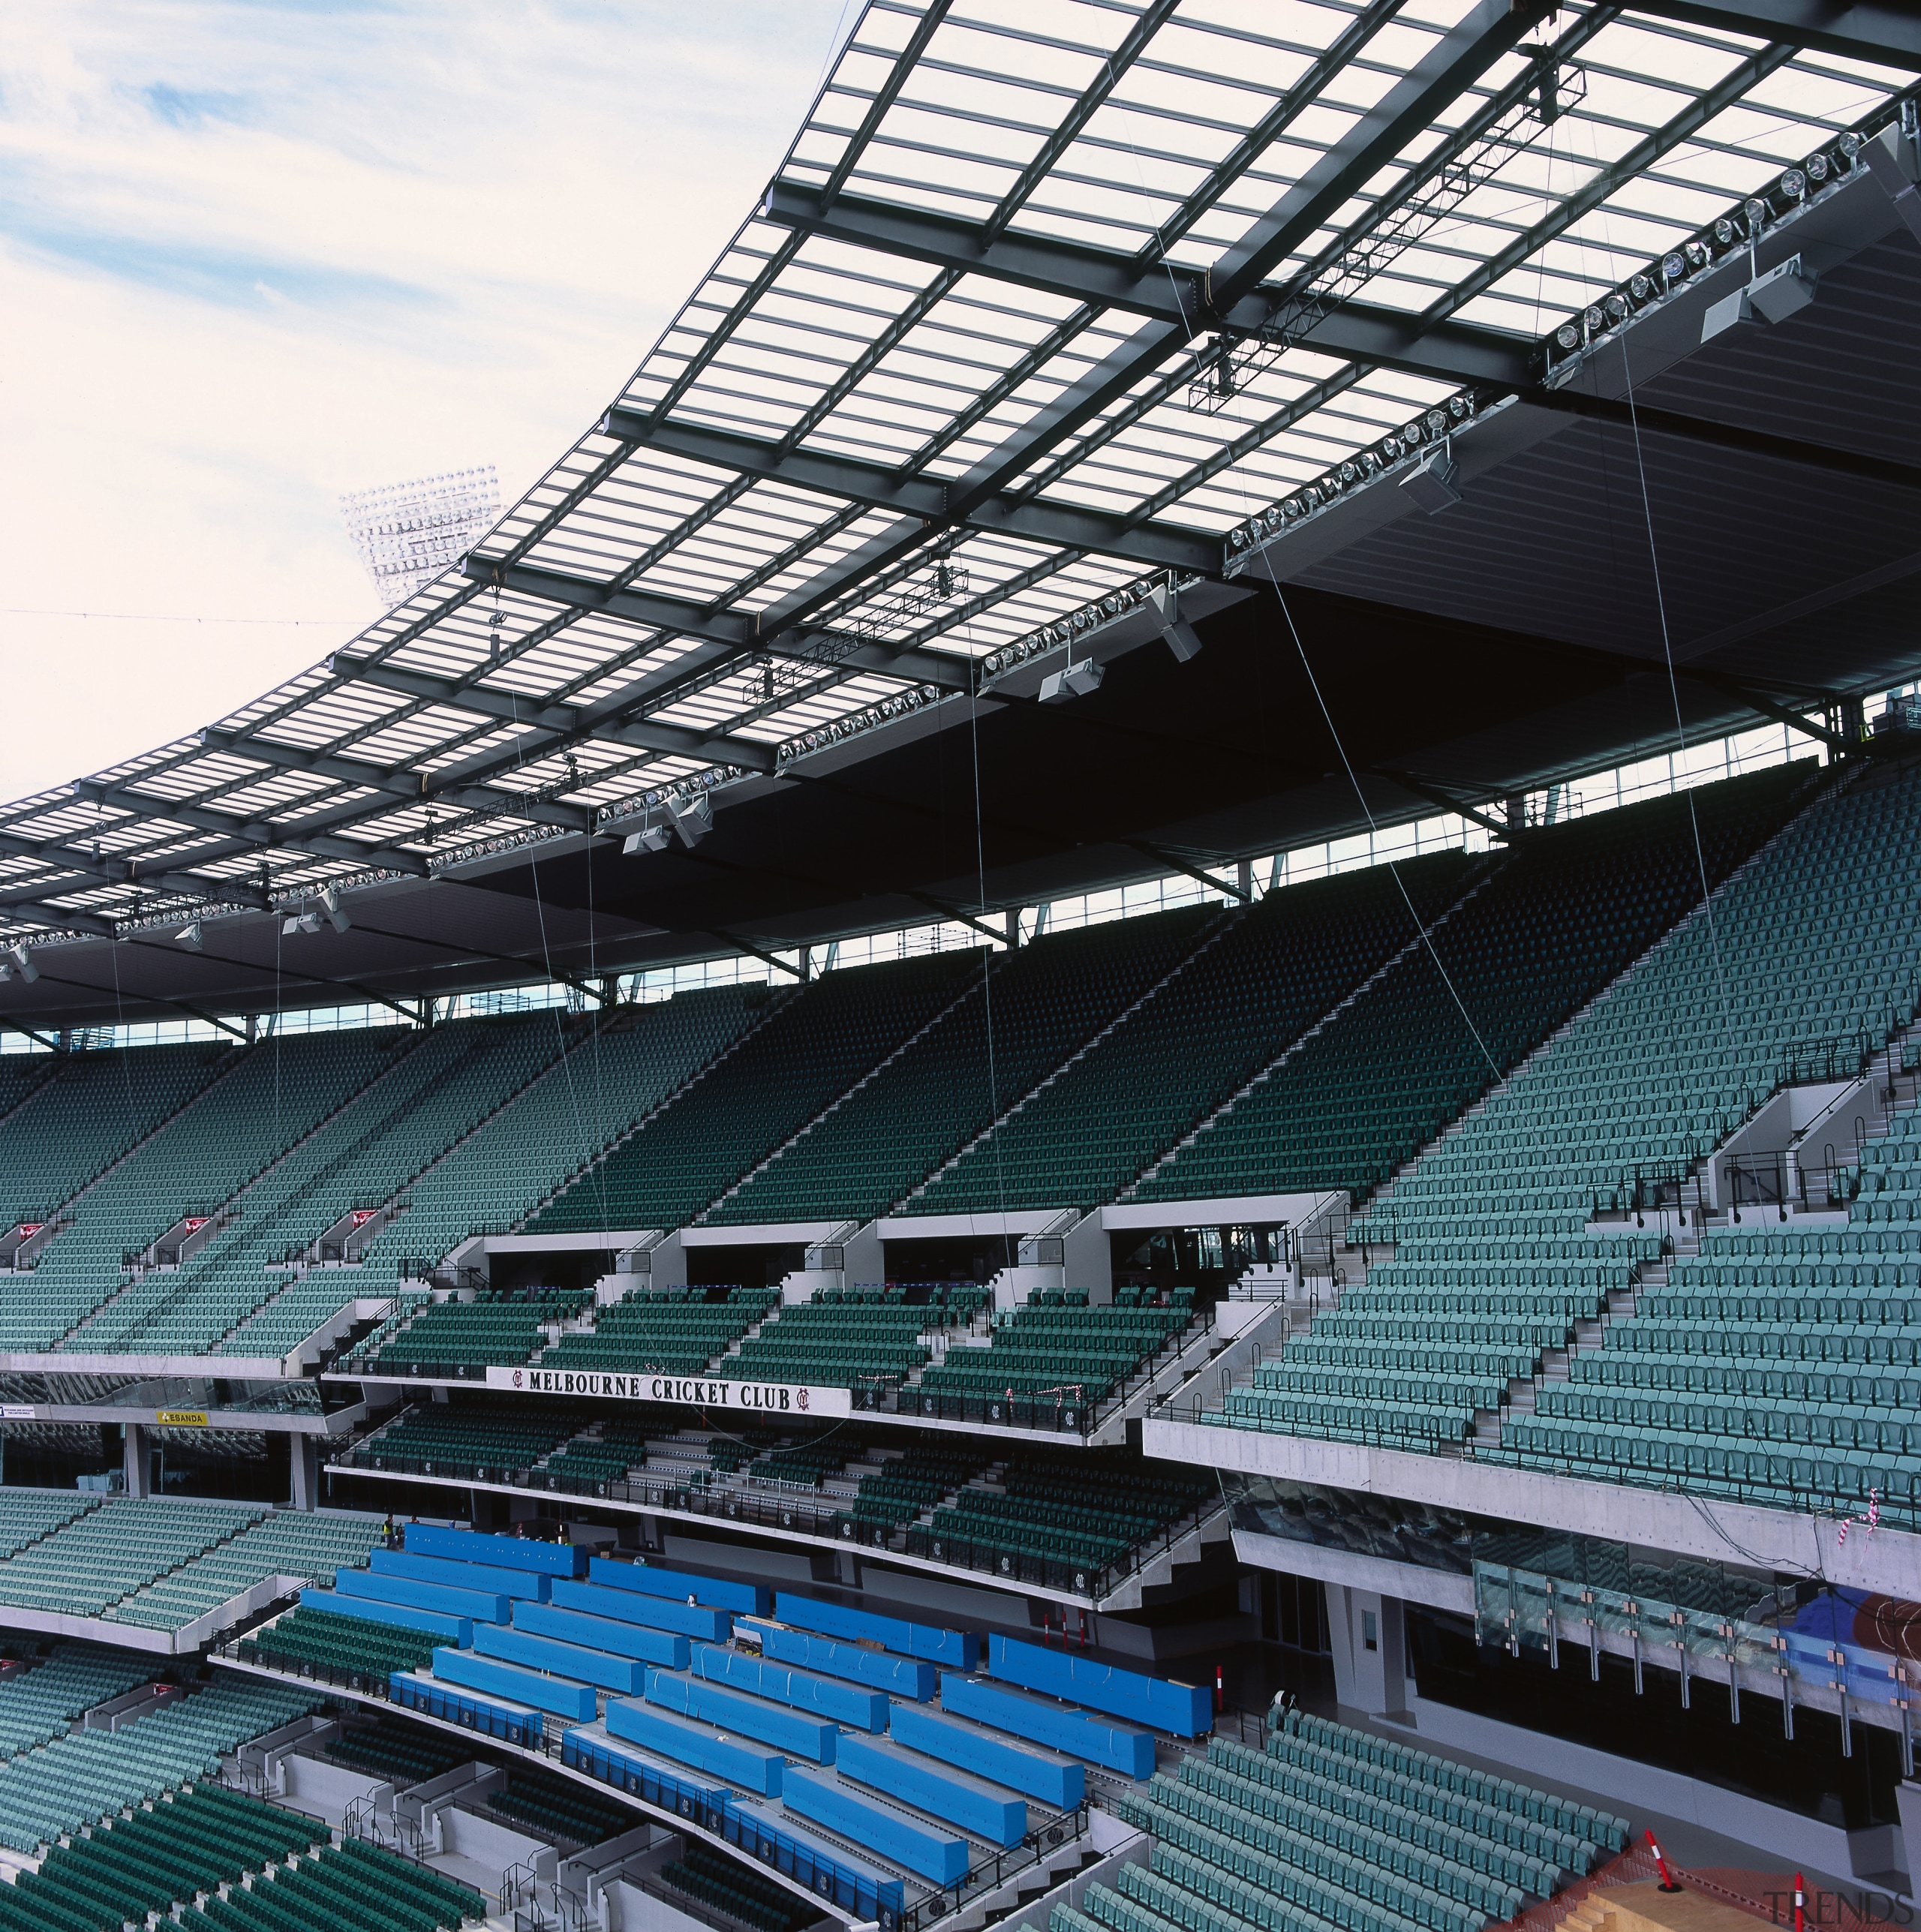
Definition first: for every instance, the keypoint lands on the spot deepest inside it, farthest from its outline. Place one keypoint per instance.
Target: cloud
(253, 255)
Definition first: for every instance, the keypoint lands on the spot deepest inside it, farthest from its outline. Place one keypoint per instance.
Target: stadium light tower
(407, 533)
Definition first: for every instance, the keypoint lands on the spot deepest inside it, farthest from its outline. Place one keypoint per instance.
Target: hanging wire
(1421, 926)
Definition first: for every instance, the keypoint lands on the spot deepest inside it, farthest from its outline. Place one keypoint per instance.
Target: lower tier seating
(188, 1843)
(331, 1646)
(78, 1779)
(351, 1887)
(755, 1901)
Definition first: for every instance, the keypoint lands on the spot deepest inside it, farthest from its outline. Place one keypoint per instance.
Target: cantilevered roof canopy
(1053, 305)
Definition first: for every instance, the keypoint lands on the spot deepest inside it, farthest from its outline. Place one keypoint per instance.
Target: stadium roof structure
(1068, 327)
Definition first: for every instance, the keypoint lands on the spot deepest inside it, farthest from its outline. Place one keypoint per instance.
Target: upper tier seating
(669, 1331)
(500, 1173)
(1272, 972)
(1034, 1010)
(1554, 923)
(1811, 949)
(88, 1112)
(267, 1100)
(360, 1157)
(88, 1775)
(814, 1044)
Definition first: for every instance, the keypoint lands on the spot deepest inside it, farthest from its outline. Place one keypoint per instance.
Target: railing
(997, 1868)
(784, 1509)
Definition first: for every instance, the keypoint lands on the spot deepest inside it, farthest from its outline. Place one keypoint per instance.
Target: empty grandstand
(1091, 1101)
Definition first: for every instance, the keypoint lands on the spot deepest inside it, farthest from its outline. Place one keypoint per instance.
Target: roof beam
(21, 1026)
(560, 722)
(1451, 352)
(240, 835)
(1162, 856)
(1447, 802)
(740, 946)
(1064, 524)
(1619, 411)
(1888, 33)
(32, 912)
(1760, 703)
(949, 674)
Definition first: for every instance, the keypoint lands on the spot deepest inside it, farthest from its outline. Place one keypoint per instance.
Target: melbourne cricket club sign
(706, 1392)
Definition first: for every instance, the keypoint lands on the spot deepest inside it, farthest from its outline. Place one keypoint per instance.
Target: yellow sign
(182, 1418)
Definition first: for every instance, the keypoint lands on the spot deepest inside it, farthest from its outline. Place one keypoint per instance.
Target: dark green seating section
(669, 1331)
(1332, 1826)
(1044, 1002)
(403, 1754)
(1777, 1365)
(439, 1439)
(558, 1807)
(813, 1048)
(462, 1339)
(741, 1893)
(907, 1484)
(317, 1641)
(204, 1838)
(1273, 972)
(1090, 1508)
(352, 1887)
(1087, 1352)
(1557, 920)
(844, 1343)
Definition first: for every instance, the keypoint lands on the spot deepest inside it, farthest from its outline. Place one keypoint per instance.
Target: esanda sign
(706, 1392)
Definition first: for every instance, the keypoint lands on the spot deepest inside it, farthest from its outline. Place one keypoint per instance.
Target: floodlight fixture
(406, 533)
(652, 837)
(330, 904)
(300, 922)
(1164, 600)
(693, 818)
(1785, 289)
(22, 963)
(1073, 680)
(1434, 483)
(189, 937)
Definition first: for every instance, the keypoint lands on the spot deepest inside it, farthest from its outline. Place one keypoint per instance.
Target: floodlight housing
(650, 838)
(1434, 483)
(189, 937)
(22, 963)
(1182, 639)
(1072, 680)
(693, 818)
(330, 901)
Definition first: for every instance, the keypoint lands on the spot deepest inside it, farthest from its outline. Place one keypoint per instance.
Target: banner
(180, 1418)
(706, 1392)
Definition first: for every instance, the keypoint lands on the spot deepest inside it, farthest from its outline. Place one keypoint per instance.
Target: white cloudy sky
(254, 253)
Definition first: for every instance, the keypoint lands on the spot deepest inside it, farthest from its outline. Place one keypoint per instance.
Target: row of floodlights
(1069, 630)
(1720, 239)
(899, 705)
(1427, 432)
